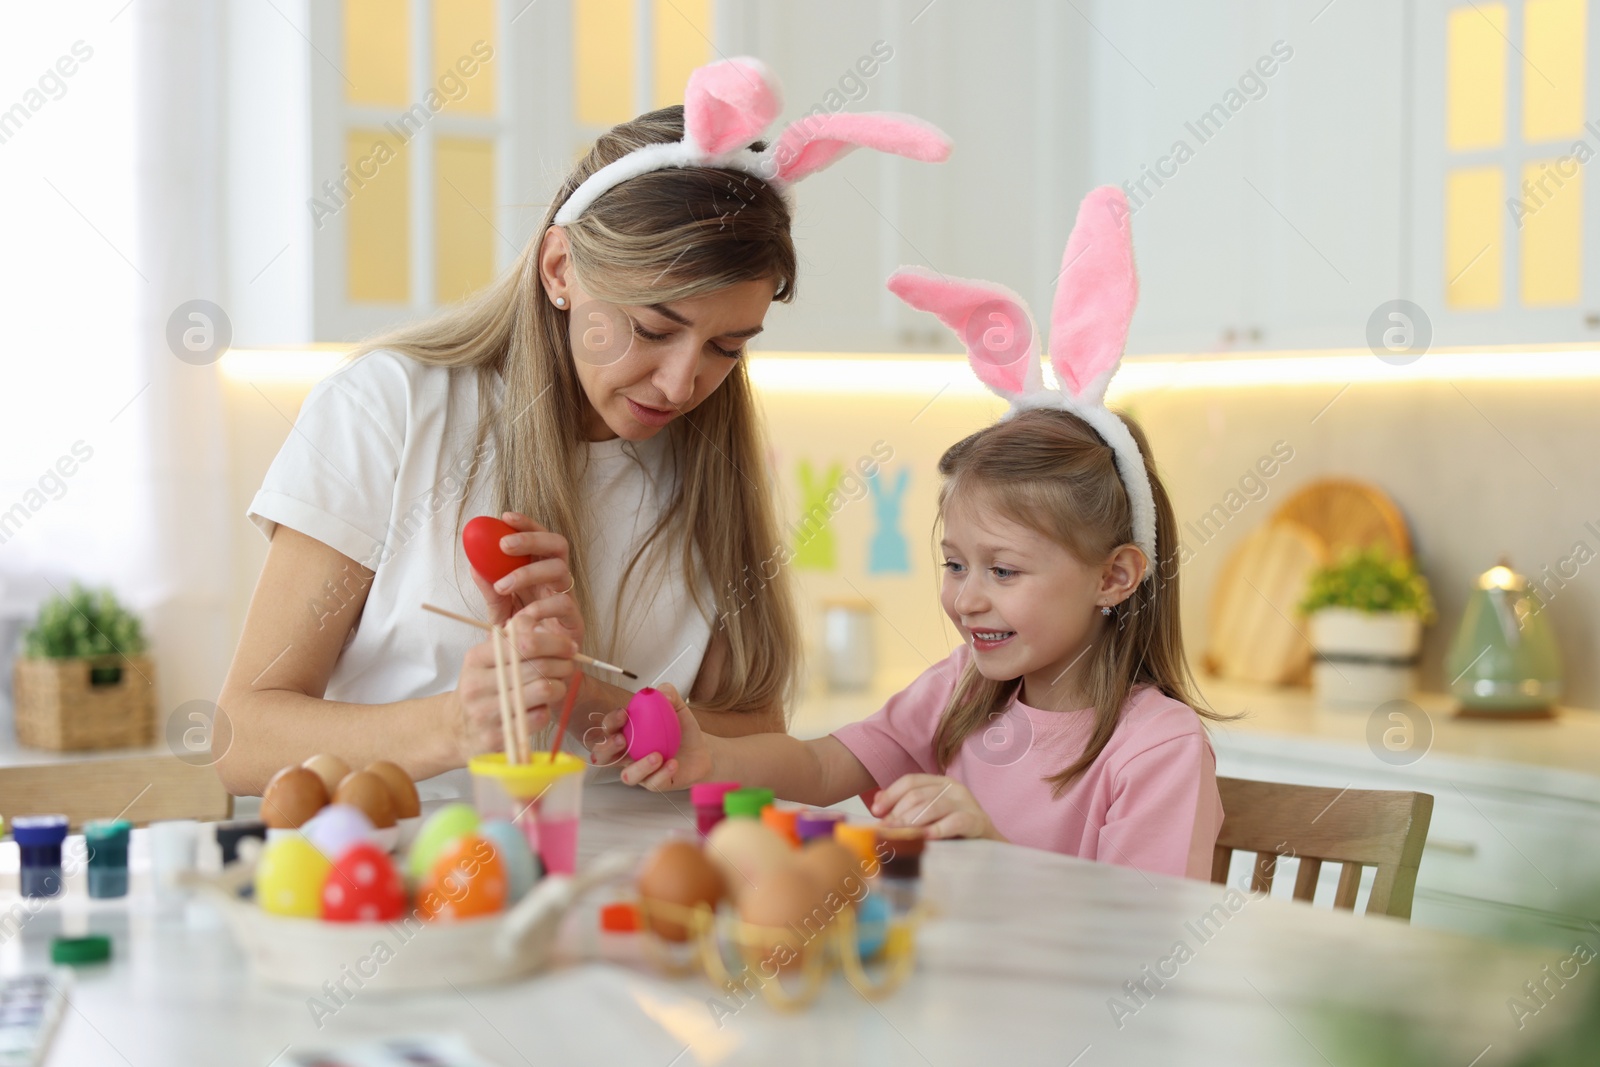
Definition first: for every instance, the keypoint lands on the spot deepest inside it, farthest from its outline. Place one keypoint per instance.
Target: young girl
(1065, 720)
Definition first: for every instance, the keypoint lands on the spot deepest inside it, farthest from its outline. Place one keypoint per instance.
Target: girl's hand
(547, 667)
(540, 582)
(692, 763)
(941, 806)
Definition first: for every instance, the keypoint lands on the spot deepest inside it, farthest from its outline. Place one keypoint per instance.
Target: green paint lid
(96, 948)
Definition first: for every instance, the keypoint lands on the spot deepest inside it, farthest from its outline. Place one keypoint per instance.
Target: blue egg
(522, 866)
(872, 924)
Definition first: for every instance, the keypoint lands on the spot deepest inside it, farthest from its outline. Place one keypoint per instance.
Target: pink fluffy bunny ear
(809, 144)
(729, 103)
(1095, 296)
(991, 320)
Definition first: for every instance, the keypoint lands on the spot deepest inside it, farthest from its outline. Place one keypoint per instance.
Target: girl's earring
(561, 301)
(1105, 609)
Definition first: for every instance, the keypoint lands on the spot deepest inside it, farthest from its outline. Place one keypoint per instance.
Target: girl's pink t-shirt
(1149, 801)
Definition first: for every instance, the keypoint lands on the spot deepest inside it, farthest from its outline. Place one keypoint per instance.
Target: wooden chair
(1358, 828)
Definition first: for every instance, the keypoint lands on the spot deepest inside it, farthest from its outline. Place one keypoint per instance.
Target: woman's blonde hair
(664, 236)
(1050, 471)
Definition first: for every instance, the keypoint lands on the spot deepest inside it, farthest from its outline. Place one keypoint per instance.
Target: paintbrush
(579, 656)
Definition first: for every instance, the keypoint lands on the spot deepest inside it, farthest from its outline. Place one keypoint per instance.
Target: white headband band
(728, 105)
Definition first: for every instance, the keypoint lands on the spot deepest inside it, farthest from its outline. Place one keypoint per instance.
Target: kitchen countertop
(1022, 966)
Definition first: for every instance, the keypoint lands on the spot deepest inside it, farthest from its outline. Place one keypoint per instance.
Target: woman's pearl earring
(561, 301)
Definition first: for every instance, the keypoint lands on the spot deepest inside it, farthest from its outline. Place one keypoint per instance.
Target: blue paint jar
(39, 839)
(107, 843)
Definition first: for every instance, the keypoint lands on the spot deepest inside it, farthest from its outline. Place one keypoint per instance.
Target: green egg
(444, 826)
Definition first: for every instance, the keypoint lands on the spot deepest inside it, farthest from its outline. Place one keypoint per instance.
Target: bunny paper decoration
(1095, 296)
(887, 553)
(814, 545)
(727, 105)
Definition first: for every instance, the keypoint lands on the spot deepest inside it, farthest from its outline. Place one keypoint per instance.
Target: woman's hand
(547, 668)
(941, 806)
(544, 585)
(692, 763)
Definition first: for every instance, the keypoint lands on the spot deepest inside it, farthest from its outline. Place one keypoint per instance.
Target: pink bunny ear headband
(1095, 295)
(728, 105)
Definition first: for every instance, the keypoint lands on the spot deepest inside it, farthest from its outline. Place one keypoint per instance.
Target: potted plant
(1367, 612)
(82, 679)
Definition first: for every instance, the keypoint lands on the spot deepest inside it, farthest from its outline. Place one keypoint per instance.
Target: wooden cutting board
(1257, 633)
(1345, 513)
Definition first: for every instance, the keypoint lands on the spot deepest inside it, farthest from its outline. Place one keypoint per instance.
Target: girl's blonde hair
(664, 236)
(1049, 471)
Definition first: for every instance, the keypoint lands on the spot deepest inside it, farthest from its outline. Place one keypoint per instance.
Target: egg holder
(303, 954)
(837, 946)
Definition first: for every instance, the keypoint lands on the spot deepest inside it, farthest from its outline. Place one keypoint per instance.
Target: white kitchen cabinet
(1277, 223)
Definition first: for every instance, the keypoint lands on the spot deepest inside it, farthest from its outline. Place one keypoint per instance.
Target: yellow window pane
(602, 58)
(1552, 210)
(1552, 78)
(683, 42)
(378, 251)
(463, 214)
(1475, 95)
(377, 52)
(1473, 206)
(463, 55)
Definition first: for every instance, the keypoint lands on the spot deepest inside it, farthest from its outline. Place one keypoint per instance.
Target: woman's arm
(272, 711)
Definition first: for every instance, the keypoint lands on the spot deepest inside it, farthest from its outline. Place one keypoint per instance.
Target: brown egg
(679, 875)
(835, 869)
(743, 851)
(293, 796)
(331, 769)
(365, 790)
(783, 915)
(404, 791)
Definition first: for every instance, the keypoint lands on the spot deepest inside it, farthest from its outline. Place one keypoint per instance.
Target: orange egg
(678, 875)
(467, 879)
(406, 802)
(365, 790)
(782, 917)
(331, 769)
(293, 796)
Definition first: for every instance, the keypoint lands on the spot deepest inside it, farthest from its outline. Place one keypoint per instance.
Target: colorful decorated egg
(480, 539)
(289, 877)
(363, 886)
(442, 827)
(336, 828)
(522, 866)
(467, 880)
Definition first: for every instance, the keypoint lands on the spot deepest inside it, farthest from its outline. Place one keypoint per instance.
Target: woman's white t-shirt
(375, 467)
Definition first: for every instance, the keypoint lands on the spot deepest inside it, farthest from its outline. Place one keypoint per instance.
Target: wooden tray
(1257, 634)
(1345, 513)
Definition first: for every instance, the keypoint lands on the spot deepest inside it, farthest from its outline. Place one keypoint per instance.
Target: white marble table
(1019, 970)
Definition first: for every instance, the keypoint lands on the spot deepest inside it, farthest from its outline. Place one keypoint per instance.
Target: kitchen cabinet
(1265, 164)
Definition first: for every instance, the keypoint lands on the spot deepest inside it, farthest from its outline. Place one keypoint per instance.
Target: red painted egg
(363, 886)
(468, 879)
(481, 540)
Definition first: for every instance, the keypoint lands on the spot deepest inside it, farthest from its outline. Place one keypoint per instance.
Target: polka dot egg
(363, 886)
(290, 876)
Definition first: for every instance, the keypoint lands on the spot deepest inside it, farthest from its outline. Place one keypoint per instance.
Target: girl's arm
(817, 772)
(271, 708)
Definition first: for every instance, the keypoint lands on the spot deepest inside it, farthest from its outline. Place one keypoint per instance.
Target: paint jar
(107, 843)
(543, 796)
(900, 880)
(746, 803)
(782, 820)
(174, 848)
(847, 645)
(39, 839)
(813, 823)
(707, 798)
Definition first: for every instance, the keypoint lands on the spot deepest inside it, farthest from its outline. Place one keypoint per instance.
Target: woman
(598, 387)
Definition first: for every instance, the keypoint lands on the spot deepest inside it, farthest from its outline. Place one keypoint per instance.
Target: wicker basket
(59, 706)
